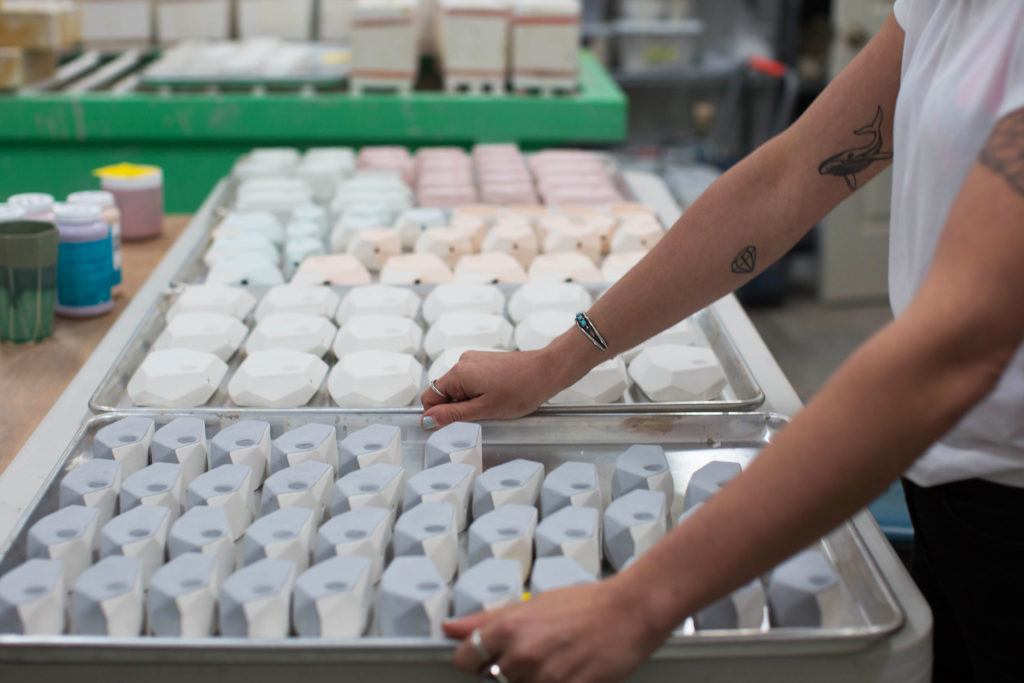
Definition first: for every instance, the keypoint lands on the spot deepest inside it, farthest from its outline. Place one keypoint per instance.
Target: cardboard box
(42, 24)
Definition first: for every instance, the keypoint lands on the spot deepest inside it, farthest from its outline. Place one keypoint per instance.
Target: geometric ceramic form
(566, 266)
(379, 485)
(246, 442)
(448, 244)
(378, 333)
(460, 442)
(107, 599)
(462, 297)
(805, 591)
(293, 331)
(365, 531)
(571, 483)
(332, 599)
(451, 482)
(141, 533)
(516, 481)
(374, 246)
(632, 525)
(308, 484)
(205, 530)
(413, 599)
(331, 269)
(576, 238)
(182, 600)
(125, 441)
(378, 300)
(474, 227)
(515, 238)
(68, 535)
(506, 533)
(298, 249)
(311, 442)
(255, 601)
(229, 487)
(32, 599)
(176, 378)
(605, 383)
(159, 484)
(565, 297)
(308, 299)
(453, 330)
(743, 608)
(552, 573)
(285, 534)
(182, 441)
(245, 270)
(707, 481)
(615, 266)
(574, 532)
(251, 223)
(643, 467)
(490, 268)
(683, 333)
(368, 446)
(233, 301)
(637, 235)
(413, 222)
(277, 379)
(491, 584)
(375, 379)
(415, 269)
(214, 333)
(96, 484)
(429, 529)
(678, 373)
(540, 329)
(447, 360)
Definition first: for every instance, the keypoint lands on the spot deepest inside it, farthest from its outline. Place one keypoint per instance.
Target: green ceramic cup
(28, 280)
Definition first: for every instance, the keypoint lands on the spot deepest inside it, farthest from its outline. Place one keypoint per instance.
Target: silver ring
(433, 387)
(495, 673)
(478, 646)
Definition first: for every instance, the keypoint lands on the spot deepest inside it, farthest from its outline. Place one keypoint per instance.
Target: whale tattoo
(848, 163)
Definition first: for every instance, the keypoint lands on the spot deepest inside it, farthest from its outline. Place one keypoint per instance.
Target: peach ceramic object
(513, 237)
(581, 238)
(415, 269)
(448, 244)
(298, 250)
(374, 247)
(176, 378)
(384, 46)
(332, 269)
(475, 227)
(545, 44)
(473, 39)
(493, 268)
(277, 379)
(444, 196)
(565, 267)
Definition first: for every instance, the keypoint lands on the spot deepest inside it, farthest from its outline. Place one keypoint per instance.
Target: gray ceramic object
(413, 599)
(95, 484)
(448, 483)
(158, 484)
(229, 487)
(32, 599)
(488, 585)
(429, 530)
(805, 591)
(255, 602)
(182, 441)
(309, 484)
(643, 467)
(365, 531)
(205, 530)
(107, 599)
(182, 598)
(376, 444)
(517, 481)
(310, 442)
(460, 442)
(743, 608)
(708, 480)
(286, 534)
(246, 442)
(141, 533)
(379, 485)
(570, 484)
(70, 535)
(126, 441)
(332, 599)
(574, 532)
(552, 573)
(632, 525)
(504, 533)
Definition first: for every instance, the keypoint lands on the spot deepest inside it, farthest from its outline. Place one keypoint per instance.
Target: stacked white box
(192, 19)
(545, 45)
(267, 18)
(385, 52)
(473, 40)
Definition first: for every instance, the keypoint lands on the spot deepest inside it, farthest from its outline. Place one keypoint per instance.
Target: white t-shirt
(963, 70)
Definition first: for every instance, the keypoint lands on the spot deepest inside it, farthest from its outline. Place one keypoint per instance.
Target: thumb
(460, 629)
(446, 413)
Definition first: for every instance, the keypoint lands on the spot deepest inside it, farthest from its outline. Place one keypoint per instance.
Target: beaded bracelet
(587, 327)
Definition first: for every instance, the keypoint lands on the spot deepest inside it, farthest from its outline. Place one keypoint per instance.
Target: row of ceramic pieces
(203, 554)
(253, 59)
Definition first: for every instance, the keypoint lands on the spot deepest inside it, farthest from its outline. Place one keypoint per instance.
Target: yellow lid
(125, 171)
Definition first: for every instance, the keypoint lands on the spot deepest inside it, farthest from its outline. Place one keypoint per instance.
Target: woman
(937, 394)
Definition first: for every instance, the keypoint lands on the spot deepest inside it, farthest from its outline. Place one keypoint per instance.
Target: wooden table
(33, 376)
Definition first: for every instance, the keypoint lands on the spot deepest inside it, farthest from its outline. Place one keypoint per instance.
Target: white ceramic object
(683, 333)
(107, 599)
(176, 378)
(229, 487)
(544, 39)
(515, 238)
(672, 372)
(413, 599)
(141, 533)
(488, 585)
(605, 383)
(125, 441)
(413, 222)
(69, 535)
(33, 598)
(804, 591)
(214, 333)
(313, 442)
(514, 482)
(643, 467)
(182, 598)
(431, 530)
(245, 269)
(540, 329)
(491, 268)
(378, 333)
(462, 297)
(570, 484)
(380, 485)
(536, 297)
(255, 601)
(96, 484)
(308, 299)
(205, 530)
(233, 244)
(459, 442)
(707, 481)
(161, 484)
(741, 609)
(637, 234)
(384, 46)
(277, 379)
(448, 483)
(246, 442)
(364, 532)
(312, 214)
(616, 265)
(575, 532)
(182, 441)
(415, 269)
(374, 246)
(298, 250)
(225, 300)
(564, 267)
(309, 485)
(332, 599)
(262, 223)
(375, 379)
(285, 534)
(332, 269)
(448, 244)
(506, 533)
(632, 525)
(378, 300)
(454, 330)
(447, 360)
(301, 332)
(369, 446)
(552, 573)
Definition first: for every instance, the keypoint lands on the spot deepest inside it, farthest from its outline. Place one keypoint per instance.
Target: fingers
(447, 413)
(467, 656)
(461, 628)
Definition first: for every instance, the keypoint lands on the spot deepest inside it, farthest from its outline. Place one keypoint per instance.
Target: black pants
(968, 560)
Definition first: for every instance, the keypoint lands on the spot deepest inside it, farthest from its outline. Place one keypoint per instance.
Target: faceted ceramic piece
(311, 213)
(379, 485)
(490, 584)
(615, 266)
(415, 269)
(370, 445)
(571, 483)
(176, 378)
(293, 298)
(490, 268)
(460, 442)
(515, 238)
(643, 467)
(293, 332)
(255, 601)
(277, 379)
(285, 534)
(429, 529)
(574, 238)
(230, 487)
(206, 530)
(454, 330)
(95, 484)
(182, 441)
(552, 573)
(32, 599)
(331, 269)
(375, 379)
(451, 483)
(474, 227)
(743, 608)
(374, 247)
(232, 244)
(707, 481)
(413, 222)
(332, 599)
(311, 442)
(678, 373)
(413, 599)
(517, 481)
(253, 223)
(540, 329)
(107, 599)
(247, 442)
(365, 531)
(304, 230)
(378, 333)
(214, 333)
(141, 533)
(233, 301)
(683, 333)
(506, 533)
(308, 485)
(182, 599)
(448, 244)
(574, 532)
(245, 270)
(447, 360)
(805, 591)
(536, 297)
(564, 267)
(69, 535)
(632, 525)
(605, 383)
(125, 441)
(462, 297)
(637, 235)
(159, 484)
(378, 300)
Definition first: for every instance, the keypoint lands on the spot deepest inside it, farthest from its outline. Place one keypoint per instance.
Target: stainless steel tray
(741, 393)
(689, 440)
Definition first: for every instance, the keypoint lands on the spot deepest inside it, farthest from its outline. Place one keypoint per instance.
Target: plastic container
(28, 277)
(38, 206)
(84, 262)
(657, 45)
(139, 191)
(112, 215)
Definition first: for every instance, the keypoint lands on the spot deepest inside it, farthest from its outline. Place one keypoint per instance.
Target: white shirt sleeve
(901, 10)
(1013, 91)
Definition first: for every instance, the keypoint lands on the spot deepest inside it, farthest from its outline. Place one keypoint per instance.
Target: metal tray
(689, 440)
(741, 393)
